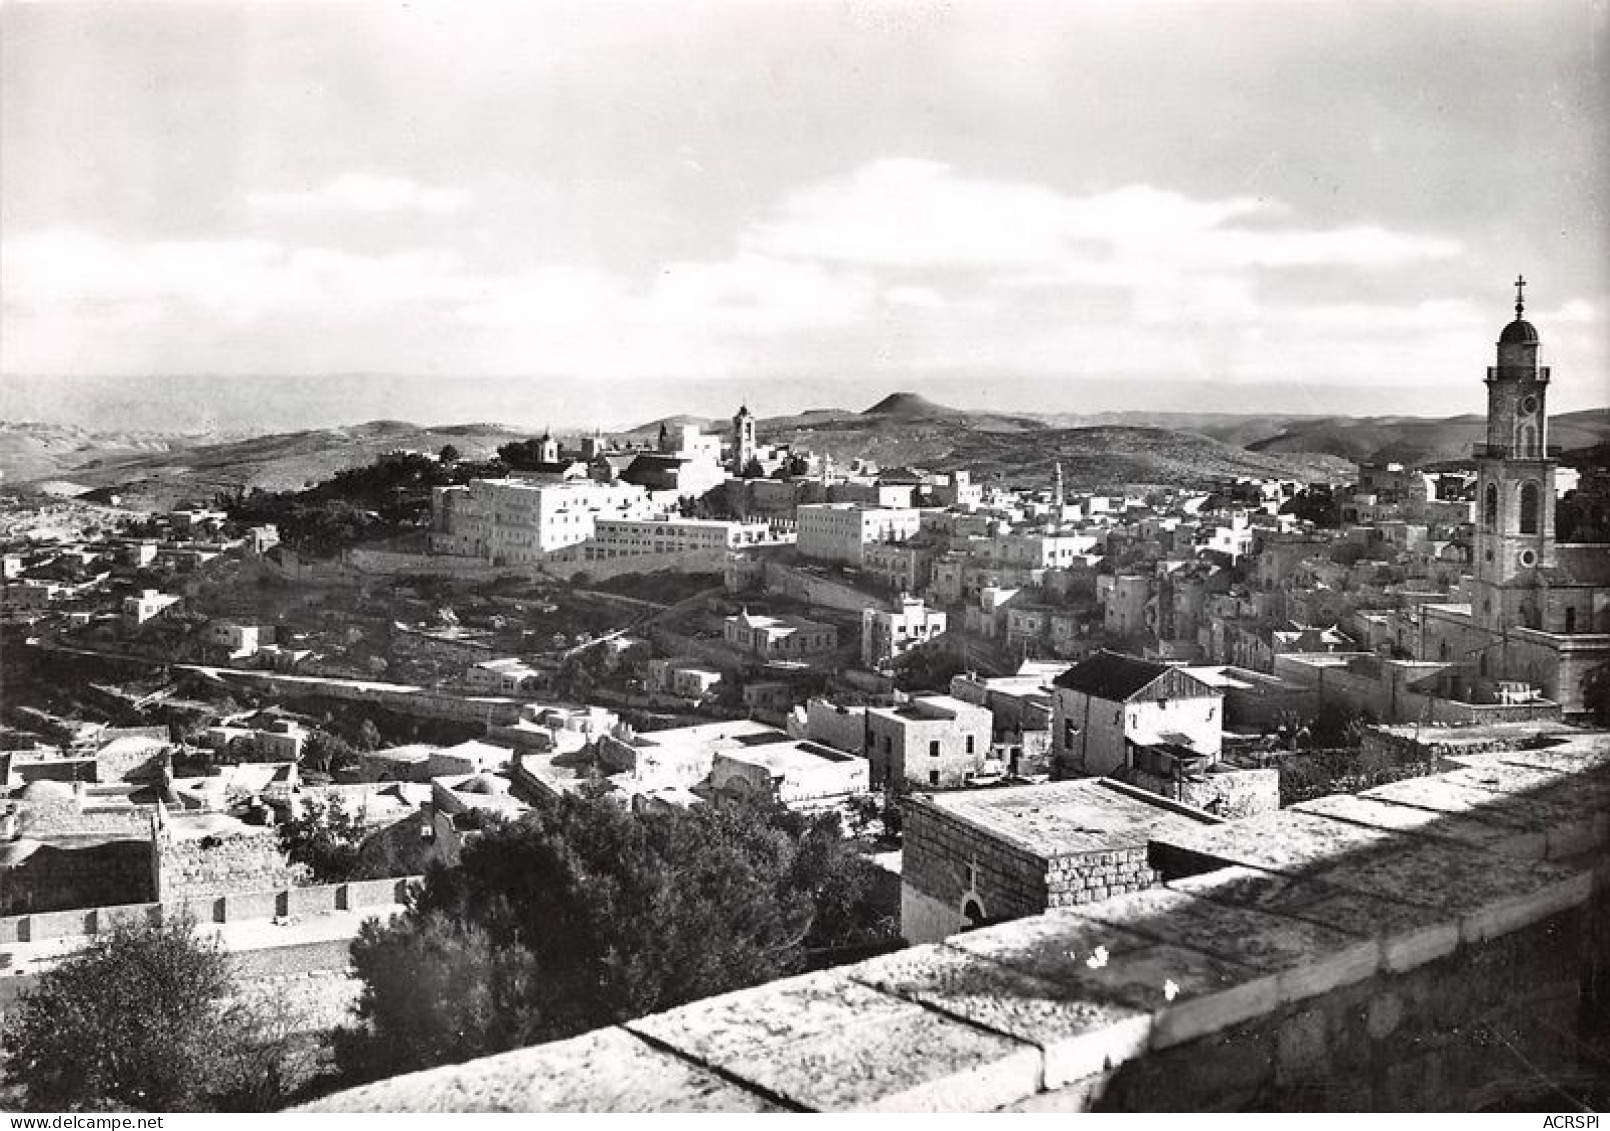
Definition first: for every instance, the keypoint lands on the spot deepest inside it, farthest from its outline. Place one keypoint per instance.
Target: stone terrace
(1439, 943)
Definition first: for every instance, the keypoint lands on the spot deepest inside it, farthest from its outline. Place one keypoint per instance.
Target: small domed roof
(1518, 332)
(485, 785)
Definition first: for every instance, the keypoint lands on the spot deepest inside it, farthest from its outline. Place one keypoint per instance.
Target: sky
(231, 215)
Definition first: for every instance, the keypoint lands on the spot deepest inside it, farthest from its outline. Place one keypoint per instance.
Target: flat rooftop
(1067, 818)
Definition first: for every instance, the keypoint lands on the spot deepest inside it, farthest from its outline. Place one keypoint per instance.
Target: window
(969, 744)
(1529, 508)
(933, 749)
(1570, 621)
(933, 777)
(1069, 731)
(1489, 512)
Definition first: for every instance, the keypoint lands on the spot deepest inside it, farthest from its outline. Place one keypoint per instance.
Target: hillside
(1022, 448)
(1412, 441)
(34, 451)
(164, 475)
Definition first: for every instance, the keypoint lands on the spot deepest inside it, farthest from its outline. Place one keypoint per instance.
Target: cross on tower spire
(1520, 295)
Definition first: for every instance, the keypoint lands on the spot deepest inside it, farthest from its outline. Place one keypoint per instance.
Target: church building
(1539, 611)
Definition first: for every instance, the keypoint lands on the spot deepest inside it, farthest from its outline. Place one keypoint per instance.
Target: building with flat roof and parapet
(984, 856)
(931, 741)
(886, 635)
(779, 637)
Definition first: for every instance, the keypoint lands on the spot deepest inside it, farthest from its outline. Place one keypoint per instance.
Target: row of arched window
(1531, 507)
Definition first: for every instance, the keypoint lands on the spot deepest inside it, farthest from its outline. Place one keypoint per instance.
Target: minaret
(1515, 482)
(1056, 490)
(743, 439)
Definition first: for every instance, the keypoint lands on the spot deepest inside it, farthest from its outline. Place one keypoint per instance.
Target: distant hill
(1025, 448)
(909, 406)
(673, 423)
(1106, 450)
(179, 469)
(1415, 441)
(33, 451)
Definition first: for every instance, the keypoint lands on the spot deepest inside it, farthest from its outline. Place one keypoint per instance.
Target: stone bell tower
(743, 439)
(1515, 482)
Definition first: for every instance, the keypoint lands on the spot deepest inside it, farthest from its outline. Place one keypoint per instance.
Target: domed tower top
(1517, 420)
(1518, 344)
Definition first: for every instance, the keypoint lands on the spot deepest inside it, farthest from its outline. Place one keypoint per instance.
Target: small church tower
(743, 439)
(549, 448)
(1515, 482)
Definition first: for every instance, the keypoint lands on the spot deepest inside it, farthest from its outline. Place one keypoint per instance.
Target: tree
(1596, 693)
(145, 1017)
(327, 753)
(368, 736)
(324, 837)
(448, 455)
(438, 992)
(582, 914)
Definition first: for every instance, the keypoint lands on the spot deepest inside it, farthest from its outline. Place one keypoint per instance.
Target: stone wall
(1436, 944)
(1231, 794)
(819, 589)
(240, 906)
(1447, 1036)
(221, 864)
(1094, 876)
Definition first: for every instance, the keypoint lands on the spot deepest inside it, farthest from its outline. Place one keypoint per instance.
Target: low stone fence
(231, 908)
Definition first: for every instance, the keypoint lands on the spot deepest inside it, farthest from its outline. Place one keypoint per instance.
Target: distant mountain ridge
(902, 428)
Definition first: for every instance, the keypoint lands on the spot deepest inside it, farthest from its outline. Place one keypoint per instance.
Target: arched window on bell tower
(1529, 508)
(1489, 510)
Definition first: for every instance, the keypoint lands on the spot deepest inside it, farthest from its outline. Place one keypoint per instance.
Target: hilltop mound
(672, 423)
(909, 406)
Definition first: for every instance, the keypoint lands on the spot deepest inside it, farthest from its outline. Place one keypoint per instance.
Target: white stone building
(1105, 706)
(837, 532)
(887, 635)
(509, 521)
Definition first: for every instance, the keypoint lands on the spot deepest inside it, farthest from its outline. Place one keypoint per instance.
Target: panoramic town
(899, 757)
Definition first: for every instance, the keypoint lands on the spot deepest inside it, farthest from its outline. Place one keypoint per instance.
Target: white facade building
(836, 532)
(887, 635)
(630, 538)
(513, 520)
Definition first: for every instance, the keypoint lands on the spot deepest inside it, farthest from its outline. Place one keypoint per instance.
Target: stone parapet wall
(1418, 945)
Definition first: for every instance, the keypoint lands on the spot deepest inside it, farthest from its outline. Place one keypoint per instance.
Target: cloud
(363, 193)
(901, 267)
(900, 213)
